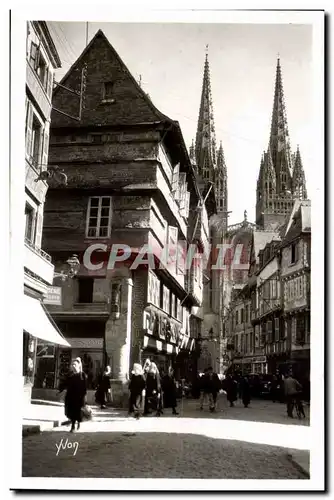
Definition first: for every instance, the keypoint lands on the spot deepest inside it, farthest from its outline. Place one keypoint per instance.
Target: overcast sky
(242, 57)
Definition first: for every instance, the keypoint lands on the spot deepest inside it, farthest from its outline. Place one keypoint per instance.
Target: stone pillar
(118, 333)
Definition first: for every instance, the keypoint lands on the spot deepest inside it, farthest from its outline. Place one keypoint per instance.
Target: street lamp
(73, 265)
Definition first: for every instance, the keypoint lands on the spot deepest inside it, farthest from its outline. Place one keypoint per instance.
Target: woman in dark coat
(245, 391)
(104, 387)
(168, 385)
(153, 390)
(137, 390)
(231, 387)
(76, 388)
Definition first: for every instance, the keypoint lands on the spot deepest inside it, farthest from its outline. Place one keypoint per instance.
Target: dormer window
(108, 92)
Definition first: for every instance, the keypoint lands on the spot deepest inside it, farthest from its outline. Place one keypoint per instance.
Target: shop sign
(259, 359)
(53, 296)
(85, 343)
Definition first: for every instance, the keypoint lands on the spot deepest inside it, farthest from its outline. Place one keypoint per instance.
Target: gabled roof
(159, 116)
(300, 222)
(44, 32)
(260, 240)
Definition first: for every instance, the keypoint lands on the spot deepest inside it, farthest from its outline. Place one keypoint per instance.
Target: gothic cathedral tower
(281, 178)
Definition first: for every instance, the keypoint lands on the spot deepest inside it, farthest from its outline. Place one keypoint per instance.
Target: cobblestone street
(113, 445)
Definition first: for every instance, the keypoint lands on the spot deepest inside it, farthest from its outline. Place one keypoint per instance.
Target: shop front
(38, 330)
(86, 339)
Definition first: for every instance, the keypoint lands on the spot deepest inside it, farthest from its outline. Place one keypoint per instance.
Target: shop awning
(37, 323)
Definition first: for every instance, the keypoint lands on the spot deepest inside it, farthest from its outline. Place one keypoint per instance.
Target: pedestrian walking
(103, 392)
(204, 388)
(76, 388)
(137, 387)
(292, 390)
(245, 391)
(153, 391)
(230, 386)
(214, 385)
(168, 386)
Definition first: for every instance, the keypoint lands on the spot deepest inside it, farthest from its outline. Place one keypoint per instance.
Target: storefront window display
(29, 355)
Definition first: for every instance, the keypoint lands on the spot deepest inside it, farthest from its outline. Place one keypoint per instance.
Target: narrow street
(193, 444)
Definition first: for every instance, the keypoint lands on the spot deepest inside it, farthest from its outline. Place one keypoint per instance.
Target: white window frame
(98, 225)
(30, 115)
(32, 210)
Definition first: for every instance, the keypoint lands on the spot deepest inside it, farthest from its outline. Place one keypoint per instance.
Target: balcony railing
(91, 306)
(38, 250)
(89, 309)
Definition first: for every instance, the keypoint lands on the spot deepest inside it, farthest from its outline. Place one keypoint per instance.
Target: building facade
(130, 182)
(41, 61)
(296, 288)
(281, 186)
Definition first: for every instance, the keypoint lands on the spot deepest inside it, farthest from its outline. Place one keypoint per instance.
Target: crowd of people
(151, 392)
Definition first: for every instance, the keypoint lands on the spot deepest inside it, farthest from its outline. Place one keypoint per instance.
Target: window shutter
(38, 54)
(276, 329)
(39, 227)
(33, 53)
(175, 179)
(182, 189)
(185, 209)
(49, 84)
(45, 149)
(29, 130)
(172, 249)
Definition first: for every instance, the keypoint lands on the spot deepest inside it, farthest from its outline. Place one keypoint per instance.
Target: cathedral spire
(261, 172)
(279, 142)
(221, 182)
(192, 152)
(275, 184)
(205, 147)
(298, 177)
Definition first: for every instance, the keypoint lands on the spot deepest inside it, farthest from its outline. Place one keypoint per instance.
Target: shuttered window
(172, 248)
(50, 83)
(34, 51)
(45, 151)
(175, 180)
(182, 190)
(277, 329)
(39, 227)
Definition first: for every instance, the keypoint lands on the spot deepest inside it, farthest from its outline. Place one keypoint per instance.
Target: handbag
(86, 413)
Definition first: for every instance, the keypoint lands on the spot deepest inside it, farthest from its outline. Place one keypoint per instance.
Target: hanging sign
(53, 296)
